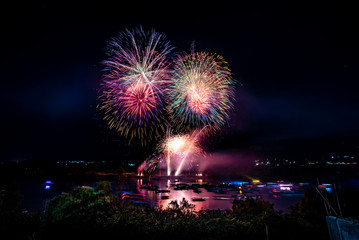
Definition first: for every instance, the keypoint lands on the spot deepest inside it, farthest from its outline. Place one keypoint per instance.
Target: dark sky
(296, 67)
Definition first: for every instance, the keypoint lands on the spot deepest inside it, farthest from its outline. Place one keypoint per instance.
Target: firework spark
(177, 151)
(201, 91)
(134, 85)
(143, 94)
(180, 150)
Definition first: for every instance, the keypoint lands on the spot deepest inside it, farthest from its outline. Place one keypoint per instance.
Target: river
(206, 193)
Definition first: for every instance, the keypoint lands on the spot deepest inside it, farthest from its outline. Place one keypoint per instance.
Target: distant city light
(339, 160)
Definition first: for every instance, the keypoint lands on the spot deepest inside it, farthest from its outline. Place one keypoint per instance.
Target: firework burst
(175, 153)
(200, 92)
(135, 79)
(181, 150)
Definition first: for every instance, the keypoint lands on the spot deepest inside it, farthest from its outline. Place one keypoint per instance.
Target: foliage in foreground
(15, 224)
(87, 214)
(98, 214)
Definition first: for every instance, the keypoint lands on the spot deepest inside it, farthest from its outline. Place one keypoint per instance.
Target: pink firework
(138, 100)
(135, 84)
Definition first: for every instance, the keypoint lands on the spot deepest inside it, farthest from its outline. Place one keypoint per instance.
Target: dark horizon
(296, 69)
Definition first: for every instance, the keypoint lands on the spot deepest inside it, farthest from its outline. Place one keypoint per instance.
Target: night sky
(296, 69)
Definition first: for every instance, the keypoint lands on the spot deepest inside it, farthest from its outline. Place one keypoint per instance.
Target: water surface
(36, 193)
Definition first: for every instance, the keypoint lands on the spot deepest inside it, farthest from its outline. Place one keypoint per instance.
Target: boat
(197, 190)
(181, 186)
(48, 182)
(162, 191)
(149, 188)
(221, 198)
(198, 199)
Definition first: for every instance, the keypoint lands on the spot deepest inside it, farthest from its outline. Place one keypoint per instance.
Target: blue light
(47, 187)
(239, 183)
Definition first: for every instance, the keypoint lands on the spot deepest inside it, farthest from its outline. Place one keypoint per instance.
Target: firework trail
(181, 149)
(191, 147)
(134, 85)
(201, 91)
(178, 151)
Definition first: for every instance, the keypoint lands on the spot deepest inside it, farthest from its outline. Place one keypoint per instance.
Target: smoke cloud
(227, 163)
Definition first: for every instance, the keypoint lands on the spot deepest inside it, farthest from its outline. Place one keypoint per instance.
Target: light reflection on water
(174, 195)
(211, 200)
(34, 193)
